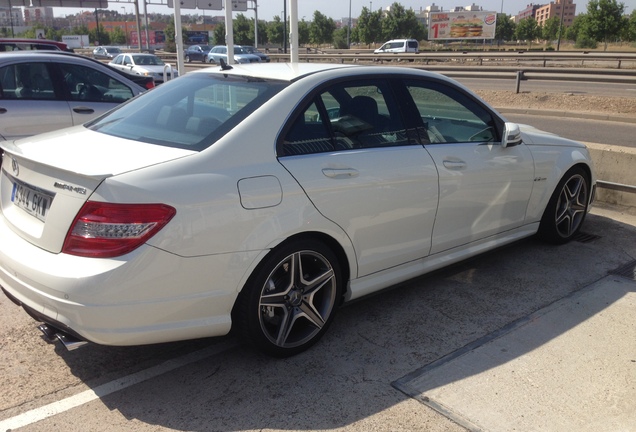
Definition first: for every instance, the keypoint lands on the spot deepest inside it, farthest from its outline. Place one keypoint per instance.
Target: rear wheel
(290, 300)
(567, 207)
(187, 59)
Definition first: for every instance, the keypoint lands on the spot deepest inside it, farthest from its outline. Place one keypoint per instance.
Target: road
(594, 131)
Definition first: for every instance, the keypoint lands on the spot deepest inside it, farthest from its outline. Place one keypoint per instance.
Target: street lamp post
(285, 26)
(349, 28)
(125, 26)
(560, 26)
(11, 18)
(255, 23)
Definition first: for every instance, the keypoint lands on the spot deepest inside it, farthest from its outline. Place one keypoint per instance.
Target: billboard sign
(239, 5)
(203, 4)
(462, 25)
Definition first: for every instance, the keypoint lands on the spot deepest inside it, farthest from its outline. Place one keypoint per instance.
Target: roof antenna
(224, 66)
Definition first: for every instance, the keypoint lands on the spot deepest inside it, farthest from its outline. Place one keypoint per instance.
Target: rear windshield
(190, 112)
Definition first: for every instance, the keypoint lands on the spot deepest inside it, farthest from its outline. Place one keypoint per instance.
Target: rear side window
(347, 116)
(30, 81)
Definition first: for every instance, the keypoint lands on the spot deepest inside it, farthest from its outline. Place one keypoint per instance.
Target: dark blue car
(196, 52)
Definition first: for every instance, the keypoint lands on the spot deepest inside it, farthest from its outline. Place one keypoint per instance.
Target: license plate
(32, 200)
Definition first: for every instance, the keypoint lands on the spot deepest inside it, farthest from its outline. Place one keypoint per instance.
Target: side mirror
(511, 135)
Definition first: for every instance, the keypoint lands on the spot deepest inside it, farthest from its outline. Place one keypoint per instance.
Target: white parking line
(98, 392)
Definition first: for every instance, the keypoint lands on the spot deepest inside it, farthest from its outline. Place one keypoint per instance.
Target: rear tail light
(106, 230)
(150, 84)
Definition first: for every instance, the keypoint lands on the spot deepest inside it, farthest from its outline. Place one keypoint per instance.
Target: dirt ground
(558, 101)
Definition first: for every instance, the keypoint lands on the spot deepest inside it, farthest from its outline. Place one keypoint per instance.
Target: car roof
(11, 56)
(43, 54)
(42, 41)
(296, 71)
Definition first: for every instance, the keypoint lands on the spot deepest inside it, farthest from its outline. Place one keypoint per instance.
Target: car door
(484, 187)
(91, 92)
(350, 151)
(30, 101)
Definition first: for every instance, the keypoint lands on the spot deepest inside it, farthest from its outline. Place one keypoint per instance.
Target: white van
(399, 46)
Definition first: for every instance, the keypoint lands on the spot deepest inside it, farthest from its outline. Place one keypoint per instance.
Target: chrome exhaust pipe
(70, 342)
(49, 332)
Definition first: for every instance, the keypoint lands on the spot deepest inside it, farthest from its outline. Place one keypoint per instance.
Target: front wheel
(290, 300)
(567, 208)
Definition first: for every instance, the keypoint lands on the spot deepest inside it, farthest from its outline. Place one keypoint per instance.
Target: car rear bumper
(147, 296)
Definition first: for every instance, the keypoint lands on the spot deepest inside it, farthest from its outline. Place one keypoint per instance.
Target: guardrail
(472, 57)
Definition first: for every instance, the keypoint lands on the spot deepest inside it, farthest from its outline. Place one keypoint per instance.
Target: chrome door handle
(340, 173)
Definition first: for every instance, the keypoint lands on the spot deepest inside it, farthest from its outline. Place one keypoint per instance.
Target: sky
(338, 9)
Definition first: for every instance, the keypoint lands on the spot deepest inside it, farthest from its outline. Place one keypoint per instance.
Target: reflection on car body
(261, 197)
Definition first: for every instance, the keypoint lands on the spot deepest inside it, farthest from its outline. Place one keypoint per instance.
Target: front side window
(450, 116)
(193, 112)
(90, 85)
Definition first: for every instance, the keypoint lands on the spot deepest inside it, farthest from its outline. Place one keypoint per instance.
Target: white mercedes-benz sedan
(263, 196)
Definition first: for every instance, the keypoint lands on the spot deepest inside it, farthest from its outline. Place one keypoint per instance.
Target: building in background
(11, 16)
(38, 15)
(560, 8)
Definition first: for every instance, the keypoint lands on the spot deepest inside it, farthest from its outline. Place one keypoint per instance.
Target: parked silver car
(241, 55)
(41, 91)
(106, 52)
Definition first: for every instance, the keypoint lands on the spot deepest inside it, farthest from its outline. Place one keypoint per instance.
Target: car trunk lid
(46, 180)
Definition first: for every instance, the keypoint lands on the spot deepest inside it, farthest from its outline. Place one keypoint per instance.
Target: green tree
(262, 31)
(527, 29)
(339, 38)
(243, 31)
(303, 32)
(550, 29)
(631, 27)
(219, 34)
(369, 27)
(275, 31)
(321, 29)
(505, 30)
(572, 32)
(402, 23)
(104, 36)
(605, 20)
(118, 36)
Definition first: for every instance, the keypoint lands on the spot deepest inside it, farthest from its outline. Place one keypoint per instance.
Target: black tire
(291, 298)
(187, 59)
(566, 210)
